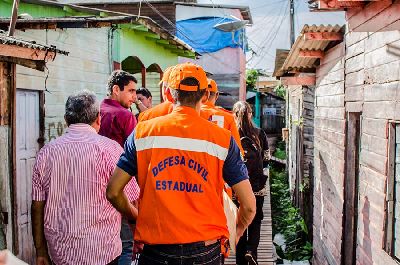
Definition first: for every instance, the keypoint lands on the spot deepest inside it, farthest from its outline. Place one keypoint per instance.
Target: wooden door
(353, 136)
(27, 134)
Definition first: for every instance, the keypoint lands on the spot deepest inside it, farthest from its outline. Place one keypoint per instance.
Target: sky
(270, 28)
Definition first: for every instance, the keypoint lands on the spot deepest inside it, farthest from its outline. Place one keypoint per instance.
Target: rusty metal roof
(280, 58)
(294, 62)
(4, 39)
(96, 21)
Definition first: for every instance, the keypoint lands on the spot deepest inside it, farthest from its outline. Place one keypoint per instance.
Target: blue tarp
(201, 35)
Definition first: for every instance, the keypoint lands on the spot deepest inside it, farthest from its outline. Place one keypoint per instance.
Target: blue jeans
(127, 244)
(182, 254)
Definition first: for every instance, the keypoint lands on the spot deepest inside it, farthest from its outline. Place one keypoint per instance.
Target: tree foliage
(280, 91)
(251, 78)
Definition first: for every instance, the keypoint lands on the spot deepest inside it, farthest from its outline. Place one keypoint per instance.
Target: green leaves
(286, 219)
(280, 151)
(251, 78)
(280, 91)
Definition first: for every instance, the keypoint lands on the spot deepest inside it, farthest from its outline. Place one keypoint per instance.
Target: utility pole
(14, 17)
(292, 37)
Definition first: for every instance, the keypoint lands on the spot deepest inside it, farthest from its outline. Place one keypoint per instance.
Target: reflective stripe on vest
(184, 144)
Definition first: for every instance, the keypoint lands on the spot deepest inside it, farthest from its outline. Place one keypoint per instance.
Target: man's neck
(195, 107)
(210, 103)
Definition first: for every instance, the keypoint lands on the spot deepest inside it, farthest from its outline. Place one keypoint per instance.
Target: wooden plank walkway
(265, 249)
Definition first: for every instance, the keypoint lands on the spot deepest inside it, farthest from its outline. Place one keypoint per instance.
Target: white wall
(86, 67)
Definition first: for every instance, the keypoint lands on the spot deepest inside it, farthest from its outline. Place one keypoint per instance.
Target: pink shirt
(71, 174)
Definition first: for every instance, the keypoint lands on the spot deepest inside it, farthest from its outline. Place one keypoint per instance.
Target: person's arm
(126, 168)
(247, 209)
(37, 208)
(116, 195)
(236, 175)
(39, 239)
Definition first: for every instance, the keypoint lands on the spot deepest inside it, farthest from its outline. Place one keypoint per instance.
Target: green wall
(37, 10)
(133, 43)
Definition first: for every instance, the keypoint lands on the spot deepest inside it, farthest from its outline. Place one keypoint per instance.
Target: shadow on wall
(366, 246)
(328, 191)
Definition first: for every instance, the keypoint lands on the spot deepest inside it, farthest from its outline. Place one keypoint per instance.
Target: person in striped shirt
(72, 221)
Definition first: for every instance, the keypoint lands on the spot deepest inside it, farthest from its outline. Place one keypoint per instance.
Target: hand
(42, 257)
(43, 261)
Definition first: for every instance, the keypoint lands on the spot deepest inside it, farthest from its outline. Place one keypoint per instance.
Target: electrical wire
(270, 34)
(271, 19)
(272, 39)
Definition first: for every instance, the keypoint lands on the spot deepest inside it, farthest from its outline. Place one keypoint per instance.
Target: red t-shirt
(117, 123)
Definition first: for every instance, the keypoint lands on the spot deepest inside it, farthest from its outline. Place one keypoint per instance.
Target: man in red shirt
(117, 123)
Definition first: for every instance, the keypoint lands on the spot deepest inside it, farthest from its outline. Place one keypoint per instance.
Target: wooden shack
(356, 134)
(297, 73)
(21, 129)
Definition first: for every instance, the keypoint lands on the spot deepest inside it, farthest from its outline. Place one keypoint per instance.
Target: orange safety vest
(156, 111)
(223, 119)
(180, 158)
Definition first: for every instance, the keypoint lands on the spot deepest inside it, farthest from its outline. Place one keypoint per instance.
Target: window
(392, 230)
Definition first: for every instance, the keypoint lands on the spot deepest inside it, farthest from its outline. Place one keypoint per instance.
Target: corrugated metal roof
(145, 21)
(4, 39)
(294, 62)
(245, 10)
(280, 58)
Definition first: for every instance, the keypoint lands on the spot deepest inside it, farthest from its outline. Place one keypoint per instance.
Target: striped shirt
(71, 174)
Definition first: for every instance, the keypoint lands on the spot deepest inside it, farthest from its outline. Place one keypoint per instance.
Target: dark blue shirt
(234, 170)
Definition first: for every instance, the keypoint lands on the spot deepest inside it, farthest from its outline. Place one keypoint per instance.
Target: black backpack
(253, 158)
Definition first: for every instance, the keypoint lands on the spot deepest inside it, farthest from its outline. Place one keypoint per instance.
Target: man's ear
(205, 97)
(115, 89)
(98, 119)
(168, 94)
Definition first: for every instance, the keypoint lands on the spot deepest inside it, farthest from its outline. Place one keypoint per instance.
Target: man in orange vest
(182, 161)
(218, 115)
(165, 107)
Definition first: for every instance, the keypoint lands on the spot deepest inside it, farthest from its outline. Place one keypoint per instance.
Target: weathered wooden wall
(361, 75)
(300, 115)
(308, 129)
(272, 123)
(86, 67)
(294, 113)
(6, 84)
(373, 87)
(329, 141)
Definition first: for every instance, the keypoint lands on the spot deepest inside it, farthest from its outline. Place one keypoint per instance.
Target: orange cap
(166, 73)
(186, 70)
(212, 85)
